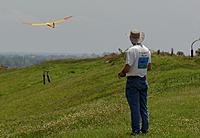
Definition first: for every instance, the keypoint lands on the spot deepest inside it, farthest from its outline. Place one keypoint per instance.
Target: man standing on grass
(138, 62)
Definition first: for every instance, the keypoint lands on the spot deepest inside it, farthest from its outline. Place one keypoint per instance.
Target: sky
(98, 26)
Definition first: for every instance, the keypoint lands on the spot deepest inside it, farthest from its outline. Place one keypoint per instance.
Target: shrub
(180, 53)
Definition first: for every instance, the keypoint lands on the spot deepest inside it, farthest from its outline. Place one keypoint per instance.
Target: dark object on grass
(72, 71)
(44, 78)
(46, 73)
(48, 78)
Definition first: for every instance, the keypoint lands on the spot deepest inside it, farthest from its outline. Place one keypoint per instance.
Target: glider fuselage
(52, 25)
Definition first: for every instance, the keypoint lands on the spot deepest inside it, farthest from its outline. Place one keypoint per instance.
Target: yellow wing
(62, 20)
(38, 24)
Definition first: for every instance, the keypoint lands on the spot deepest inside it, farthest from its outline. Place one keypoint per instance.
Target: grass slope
(86, 99)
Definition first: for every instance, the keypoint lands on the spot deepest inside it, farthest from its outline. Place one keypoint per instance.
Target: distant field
(86, 99)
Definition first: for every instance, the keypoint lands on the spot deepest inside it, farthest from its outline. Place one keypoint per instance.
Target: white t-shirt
(138, 57)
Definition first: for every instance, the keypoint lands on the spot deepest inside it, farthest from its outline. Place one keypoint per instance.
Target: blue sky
(99, 25)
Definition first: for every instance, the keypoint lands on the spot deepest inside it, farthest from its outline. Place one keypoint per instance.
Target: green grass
(86, 99)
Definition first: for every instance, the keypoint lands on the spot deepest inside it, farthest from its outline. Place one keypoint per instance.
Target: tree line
(16, 60)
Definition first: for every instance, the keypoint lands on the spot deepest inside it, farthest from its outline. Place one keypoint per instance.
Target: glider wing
(62, 20)
(38, 24)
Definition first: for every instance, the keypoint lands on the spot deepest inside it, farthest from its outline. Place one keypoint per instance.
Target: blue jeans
(136, 93)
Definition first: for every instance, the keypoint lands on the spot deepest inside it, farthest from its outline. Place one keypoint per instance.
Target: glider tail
(66, 18)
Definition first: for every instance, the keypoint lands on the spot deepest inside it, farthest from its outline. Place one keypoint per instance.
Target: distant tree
(172, 51)
(158, 52)
(198, 52)
(163, 53)
(180, 53)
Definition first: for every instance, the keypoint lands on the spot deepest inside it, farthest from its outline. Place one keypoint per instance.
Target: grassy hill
(86, 99)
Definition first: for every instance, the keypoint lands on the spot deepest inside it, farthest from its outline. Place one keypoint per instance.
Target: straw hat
(137, 37)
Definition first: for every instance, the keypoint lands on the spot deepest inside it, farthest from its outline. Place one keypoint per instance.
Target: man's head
(136, 37)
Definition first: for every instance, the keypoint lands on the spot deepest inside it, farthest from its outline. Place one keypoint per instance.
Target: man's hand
(124, 71)
(121, 74)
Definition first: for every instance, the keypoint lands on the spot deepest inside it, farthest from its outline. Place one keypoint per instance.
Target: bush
(198, 52)
(180, 53)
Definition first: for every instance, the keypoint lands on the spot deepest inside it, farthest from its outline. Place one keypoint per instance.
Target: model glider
(50, 24)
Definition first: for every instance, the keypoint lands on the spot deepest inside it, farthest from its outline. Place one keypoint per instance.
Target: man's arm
(149, 67)
(124, 71)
